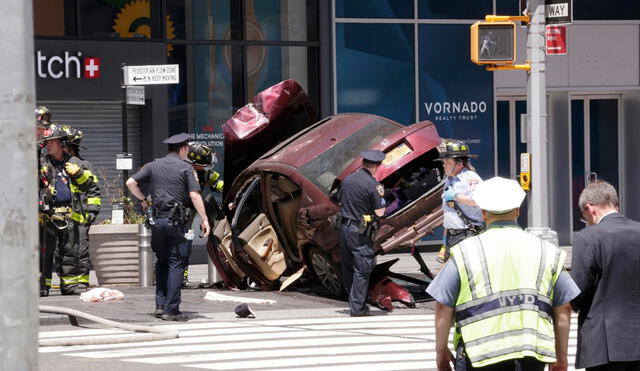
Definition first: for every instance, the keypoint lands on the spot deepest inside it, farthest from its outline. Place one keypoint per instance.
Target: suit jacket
(605, 265)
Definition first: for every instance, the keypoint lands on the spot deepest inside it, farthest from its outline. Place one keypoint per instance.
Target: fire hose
(153, 333)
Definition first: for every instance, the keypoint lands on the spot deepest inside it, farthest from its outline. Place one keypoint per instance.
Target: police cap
(177, 139)
(498, 195)
(243, 311)
(373, 156)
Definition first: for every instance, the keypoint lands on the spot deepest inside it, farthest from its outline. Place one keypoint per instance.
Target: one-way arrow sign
(558, 11)
(152, 74)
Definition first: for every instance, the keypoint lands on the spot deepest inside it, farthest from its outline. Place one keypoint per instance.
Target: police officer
(506, 290)
(201, 158)
(63, 182)
(91, 201)
(462, 217)
(361, 202)
(173, 182)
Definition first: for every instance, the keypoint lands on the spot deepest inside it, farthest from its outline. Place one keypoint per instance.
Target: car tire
(327, 271)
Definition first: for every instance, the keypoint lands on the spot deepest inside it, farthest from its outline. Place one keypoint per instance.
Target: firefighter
(462, 217)
(200, 157)
(62, 181)
(43, 117)
(91, 202)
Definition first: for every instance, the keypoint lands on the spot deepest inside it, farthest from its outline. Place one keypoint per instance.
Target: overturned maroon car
(281, 207)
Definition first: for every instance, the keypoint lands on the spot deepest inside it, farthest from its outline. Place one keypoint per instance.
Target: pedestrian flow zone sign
(151, 74)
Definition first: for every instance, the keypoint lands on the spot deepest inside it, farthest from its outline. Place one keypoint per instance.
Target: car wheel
(327, 272)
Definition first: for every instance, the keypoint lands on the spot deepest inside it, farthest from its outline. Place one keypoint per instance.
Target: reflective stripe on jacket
(504, 308)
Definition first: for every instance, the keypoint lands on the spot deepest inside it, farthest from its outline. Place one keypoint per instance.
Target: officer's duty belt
(455, 232)
(348, 222)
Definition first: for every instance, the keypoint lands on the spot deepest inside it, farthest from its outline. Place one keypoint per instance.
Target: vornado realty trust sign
(458, 110)
(67, 65)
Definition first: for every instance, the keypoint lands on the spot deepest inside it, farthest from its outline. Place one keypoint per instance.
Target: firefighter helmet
(54, 131)
(453, 148)
(199, 154)
(74, 136)
(43, 116)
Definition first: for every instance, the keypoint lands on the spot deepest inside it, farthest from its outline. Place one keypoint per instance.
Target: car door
(256, 246)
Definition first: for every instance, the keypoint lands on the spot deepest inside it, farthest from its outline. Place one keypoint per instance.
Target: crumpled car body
(281, 209)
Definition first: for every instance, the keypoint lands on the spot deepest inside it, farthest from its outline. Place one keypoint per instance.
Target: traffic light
(493, 42)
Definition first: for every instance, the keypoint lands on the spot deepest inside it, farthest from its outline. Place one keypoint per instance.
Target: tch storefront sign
(67, 65)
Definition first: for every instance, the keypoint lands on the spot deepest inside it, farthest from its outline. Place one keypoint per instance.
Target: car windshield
(323, 169)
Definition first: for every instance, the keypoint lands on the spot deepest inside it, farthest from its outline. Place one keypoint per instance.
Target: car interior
(412, 181)
(285, 198)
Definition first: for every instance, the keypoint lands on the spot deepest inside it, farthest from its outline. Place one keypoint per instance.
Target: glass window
(374, 8)
(503, 142)
(375, 69)
(463, 113)
(199, 19)
(134, 19)
(455, 9)
(323, 169)
(53, 18)
(577, 162)
(201, 103)
(286, 20)
(606, 10)
(507, 7)
(603, 138)
(521, 107)
(248, 205)
(268, 65)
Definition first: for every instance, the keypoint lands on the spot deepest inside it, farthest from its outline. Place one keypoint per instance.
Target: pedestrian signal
(493, 42)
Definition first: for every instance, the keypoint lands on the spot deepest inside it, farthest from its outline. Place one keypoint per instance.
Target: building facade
(403, 59)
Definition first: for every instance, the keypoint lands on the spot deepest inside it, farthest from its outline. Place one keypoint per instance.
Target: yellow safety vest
(504, 308)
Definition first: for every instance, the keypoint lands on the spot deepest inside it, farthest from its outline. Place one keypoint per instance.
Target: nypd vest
(504, 308)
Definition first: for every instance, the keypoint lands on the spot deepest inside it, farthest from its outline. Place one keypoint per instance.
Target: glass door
(508, 143)
(595, 128)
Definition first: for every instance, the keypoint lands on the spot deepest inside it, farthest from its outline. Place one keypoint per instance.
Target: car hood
(272, 116)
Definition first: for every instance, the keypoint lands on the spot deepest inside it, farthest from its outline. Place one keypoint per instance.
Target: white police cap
(498, 195)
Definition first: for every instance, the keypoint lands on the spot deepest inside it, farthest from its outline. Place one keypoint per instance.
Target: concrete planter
(113, 250)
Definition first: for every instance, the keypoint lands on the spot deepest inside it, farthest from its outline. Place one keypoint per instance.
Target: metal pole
(125, 146)
(145, 257)
(537, 112)
(18, 191)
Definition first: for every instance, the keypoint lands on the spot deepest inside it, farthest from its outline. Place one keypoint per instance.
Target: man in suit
(605, 265)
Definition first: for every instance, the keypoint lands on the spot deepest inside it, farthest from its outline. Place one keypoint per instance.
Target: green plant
(114, 191)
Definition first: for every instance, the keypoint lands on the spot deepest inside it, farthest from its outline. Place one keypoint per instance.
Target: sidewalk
(305, 301)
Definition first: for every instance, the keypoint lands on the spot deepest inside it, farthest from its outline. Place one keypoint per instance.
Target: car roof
(308, 144)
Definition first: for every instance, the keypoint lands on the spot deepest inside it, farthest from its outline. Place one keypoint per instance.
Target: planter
(114, 253)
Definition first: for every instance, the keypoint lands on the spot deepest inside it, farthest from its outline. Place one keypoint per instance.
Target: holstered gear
(476, 229)
(368, 225)
(179, 214)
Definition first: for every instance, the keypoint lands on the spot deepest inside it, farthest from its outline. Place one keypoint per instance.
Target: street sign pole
(125, 146)
(537, 112)
(18, 192)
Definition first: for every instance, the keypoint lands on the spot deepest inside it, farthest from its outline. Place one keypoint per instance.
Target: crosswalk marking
(391, 342)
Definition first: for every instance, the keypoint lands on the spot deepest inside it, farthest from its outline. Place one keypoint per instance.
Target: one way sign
(152, 74)
(558, 11)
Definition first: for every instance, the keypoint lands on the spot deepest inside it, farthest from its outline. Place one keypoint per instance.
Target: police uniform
(170, 179)
(503, 285)
(360, 194)
(463, 183)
